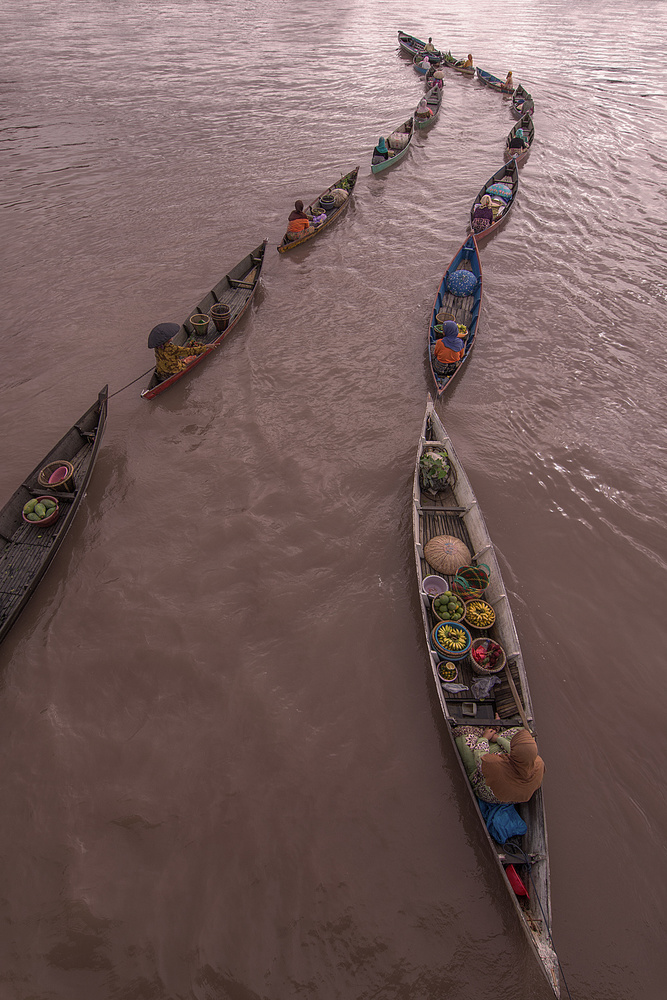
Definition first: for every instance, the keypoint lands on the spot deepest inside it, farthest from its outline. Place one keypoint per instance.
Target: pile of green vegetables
(38, 510)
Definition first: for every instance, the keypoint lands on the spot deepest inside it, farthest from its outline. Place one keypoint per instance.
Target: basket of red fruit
(487, 656)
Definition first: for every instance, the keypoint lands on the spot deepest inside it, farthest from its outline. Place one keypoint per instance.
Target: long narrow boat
(508, 177)
(489, 80)
(398, 143)
(462, 308)
(528, 128)
(235, 290)
(345, 183)
(412, 46)
(27, 548)
(455, 512)
(522, 102)
(434, 103)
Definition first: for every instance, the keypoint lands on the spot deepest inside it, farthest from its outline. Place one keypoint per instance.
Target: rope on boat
(521, 856)
(130, 383)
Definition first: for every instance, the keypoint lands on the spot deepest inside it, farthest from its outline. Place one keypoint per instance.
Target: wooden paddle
(515, 695)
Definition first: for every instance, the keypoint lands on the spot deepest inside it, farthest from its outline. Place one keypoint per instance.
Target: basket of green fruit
(448, 607)
(41, 511)
(451, 640)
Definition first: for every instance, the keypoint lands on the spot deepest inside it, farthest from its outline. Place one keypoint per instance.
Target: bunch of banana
(452, 638)
(480, 614)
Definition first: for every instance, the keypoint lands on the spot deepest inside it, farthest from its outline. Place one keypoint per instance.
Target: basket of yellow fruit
(448, 607)
(451, 640)
(479, 614)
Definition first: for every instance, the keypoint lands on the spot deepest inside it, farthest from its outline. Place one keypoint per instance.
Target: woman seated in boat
(517, 141)
(502, 766)
(448, 350)
(482, 216)
(467, 63)
(425, 63)
(298, 223)
(170, 358)
(429, 47)
(422, 110)
(381, 152)
(508, 85)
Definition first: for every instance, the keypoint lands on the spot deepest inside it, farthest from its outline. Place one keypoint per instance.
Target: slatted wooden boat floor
(438, 521)
(460, 306)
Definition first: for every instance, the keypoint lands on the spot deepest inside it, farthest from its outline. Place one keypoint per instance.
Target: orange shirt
(444, 355)
(297, 225)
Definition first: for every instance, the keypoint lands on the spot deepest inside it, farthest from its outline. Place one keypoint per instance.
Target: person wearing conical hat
(170, 358)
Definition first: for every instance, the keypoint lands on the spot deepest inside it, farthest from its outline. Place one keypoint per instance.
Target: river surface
(224, 770)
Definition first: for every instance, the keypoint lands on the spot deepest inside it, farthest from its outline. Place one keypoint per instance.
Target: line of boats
(34, 522)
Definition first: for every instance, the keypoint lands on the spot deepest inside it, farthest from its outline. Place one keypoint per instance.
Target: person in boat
(517, 141)
(422, 110)
(482, 216)
(449, 349)
(425, 63)
(467, 63)
(381, 151)
(429, 47)
(502, 766)
(509, 82)
(298, 223)
(170, 358)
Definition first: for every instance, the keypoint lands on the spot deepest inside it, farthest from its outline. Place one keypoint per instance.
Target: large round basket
(445, 552)
(445, 651)
(471, 581)
(484, 643)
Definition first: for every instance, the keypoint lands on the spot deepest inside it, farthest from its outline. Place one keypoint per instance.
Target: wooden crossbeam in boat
(444, 510)
(240, 284)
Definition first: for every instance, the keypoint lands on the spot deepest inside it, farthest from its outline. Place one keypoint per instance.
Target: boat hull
(236, 290)
(464, 309)
(521, 155)
(509, 173)
(351, 178)
(407, 128)
(456, 512)
(26, 550)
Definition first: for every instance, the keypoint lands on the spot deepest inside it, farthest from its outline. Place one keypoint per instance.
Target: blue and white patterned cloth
(500, 190)
(461, 283)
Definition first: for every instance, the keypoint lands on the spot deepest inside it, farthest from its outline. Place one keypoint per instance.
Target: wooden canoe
(522, 102)
(235, 290)
(507, 174)
(347, 182)
(528, 128)
(489, 80)
(412, 46)
(434, 103)
(456, 512)
(461, 308)
(398, 143)
(26, 549)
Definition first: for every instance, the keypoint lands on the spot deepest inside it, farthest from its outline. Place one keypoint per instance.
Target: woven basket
(486, 644)
(471, 581)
